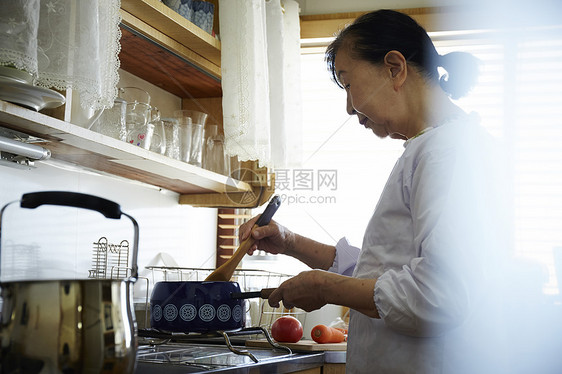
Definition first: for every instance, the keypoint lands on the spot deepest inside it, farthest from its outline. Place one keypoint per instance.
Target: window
(519, 98)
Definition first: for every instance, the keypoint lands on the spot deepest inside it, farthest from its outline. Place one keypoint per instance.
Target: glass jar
(215, 158)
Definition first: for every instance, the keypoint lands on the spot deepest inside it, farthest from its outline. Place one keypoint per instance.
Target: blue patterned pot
(196, 307)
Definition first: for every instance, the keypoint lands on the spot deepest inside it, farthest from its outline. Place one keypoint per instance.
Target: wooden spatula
(225, 271)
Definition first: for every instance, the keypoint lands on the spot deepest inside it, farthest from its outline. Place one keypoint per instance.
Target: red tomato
(286, 329)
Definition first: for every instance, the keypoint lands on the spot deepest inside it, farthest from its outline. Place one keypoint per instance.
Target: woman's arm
(314, 254)
(312, 290)
(277, 239)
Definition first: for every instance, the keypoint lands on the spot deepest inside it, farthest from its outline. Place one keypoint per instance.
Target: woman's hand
(306, 291)
(272, 238)
(311, 290)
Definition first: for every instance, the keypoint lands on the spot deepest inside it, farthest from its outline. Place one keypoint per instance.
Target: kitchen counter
(189, 358)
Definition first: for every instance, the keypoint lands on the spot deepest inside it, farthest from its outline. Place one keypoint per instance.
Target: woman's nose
(349, 107)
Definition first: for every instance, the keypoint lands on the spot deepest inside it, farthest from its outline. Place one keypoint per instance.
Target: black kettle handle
(108, 208)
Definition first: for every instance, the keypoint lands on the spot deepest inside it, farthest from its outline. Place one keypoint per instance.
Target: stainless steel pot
(70, 326)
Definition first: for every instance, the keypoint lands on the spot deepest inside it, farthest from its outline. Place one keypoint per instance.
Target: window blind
(519, 97)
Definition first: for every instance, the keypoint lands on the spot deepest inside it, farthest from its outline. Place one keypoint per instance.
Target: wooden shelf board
(177, 72)
(228, 237)
(175, 26)
(86, 148)
(234, 216)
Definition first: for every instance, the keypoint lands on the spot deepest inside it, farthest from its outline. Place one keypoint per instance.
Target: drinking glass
(141, 134)
(158, 140)
(111, 121)
(137, 114)
(196, 117)
(172, 136)
(196, 153)
(185, 132)
(214, 158)
(191, 132)
(133, 95)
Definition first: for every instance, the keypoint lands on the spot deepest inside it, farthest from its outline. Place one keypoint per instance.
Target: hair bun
(461, 73)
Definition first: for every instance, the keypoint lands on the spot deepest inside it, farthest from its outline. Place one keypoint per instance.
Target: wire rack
(258, 313)
(109, 260)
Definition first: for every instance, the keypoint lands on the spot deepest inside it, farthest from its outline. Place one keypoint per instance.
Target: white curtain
(64, 44)
(261, 81)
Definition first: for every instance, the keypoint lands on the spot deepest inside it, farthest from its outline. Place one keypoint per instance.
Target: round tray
(29, 96)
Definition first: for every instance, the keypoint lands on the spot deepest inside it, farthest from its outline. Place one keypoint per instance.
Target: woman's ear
(396, 64)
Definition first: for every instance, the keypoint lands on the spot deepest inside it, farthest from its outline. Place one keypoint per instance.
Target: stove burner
(216, 337)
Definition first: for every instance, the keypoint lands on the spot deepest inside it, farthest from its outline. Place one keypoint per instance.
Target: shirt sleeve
(346, 258)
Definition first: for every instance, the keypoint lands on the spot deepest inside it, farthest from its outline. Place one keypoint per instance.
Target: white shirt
(427, 245)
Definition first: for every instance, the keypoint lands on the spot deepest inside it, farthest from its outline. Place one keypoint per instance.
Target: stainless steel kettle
(69, 326)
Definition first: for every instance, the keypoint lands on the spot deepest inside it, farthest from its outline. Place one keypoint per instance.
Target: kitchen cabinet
(333, 369)
(161, 47)
(310, 371)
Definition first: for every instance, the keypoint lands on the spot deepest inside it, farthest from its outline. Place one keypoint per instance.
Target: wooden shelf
(95, 151)
(170, 23)
(234, 216)
(228, 236)
(163, 48)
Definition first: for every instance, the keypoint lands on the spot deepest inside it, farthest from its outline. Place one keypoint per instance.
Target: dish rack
(110, 261)
(258, 312)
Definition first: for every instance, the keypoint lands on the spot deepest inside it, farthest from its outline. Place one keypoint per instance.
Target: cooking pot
(70, 326)
(212, 305)
(195, 306)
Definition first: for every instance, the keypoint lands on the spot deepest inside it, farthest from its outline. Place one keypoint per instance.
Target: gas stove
(216, 352)
(195, 358)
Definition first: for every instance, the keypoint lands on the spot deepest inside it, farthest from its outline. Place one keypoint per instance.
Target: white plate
(29, 96)
(16, 74)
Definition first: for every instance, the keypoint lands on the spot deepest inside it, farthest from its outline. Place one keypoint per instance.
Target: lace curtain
(261, 81)
(64, 44)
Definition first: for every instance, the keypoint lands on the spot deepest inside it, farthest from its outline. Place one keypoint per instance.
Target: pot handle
(108, 208)
(264, 294)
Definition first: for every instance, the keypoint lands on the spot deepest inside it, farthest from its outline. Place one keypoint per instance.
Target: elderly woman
(414, 287)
